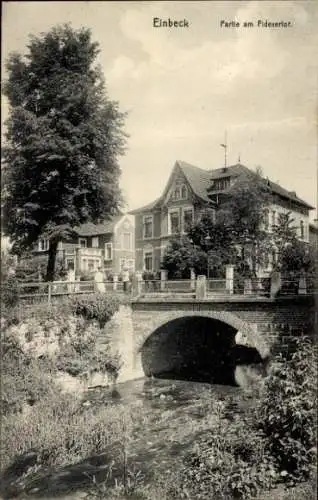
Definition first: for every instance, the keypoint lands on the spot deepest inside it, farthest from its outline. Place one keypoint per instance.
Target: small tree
(293, 255)
(181, 256)
(63, 140)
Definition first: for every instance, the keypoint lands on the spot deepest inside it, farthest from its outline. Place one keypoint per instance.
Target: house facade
(109, 246)
(182, 202)
(189, 191)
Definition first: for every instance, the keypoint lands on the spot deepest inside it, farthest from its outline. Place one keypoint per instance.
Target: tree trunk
(51, 261)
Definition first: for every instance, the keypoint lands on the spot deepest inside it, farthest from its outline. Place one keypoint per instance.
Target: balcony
(90, 252)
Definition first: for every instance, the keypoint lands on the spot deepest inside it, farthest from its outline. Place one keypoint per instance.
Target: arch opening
(199, 349)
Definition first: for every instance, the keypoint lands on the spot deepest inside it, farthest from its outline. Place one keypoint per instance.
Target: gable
(178, 187)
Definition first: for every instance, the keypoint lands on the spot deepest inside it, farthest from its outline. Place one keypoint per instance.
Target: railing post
(275, 284)
(302, 285)
(115, 281)
(163, 279)
(137, 284)
(192, 279)
(200, 292)
(229, 277)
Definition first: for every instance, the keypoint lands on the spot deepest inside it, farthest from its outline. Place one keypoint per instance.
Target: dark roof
(146, 208)
(200, 181)
(90, 229)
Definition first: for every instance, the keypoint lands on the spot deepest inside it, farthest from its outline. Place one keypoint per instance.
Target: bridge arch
(158, 319)
(183, 341)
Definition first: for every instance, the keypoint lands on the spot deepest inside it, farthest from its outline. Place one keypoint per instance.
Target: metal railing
(49, 291)
(167, 286)
(217, 286)
(37, 292)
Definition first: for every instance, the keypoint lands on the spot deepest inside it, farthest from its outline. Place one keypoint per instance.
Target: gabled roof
(90, 229)
(146, 208)
(200, 181)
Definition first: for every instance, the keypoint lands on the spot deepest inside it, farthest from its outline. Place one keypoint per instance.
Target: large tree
(64, 136)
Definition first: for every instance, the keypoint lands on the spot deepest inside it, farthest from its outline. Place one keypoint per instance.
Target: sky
(184, 87)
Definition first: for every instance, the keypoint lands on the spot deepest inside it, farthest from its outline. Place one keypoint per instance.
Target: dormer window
(221, 184)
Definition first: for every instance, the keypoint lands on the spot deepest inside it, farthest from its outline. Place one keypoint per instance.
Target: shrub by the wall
(98, 306)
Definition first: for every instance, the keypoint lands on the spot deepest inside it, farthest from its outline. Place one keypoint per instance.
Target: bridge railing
(37, 292)
(217, 286)
(167, 286)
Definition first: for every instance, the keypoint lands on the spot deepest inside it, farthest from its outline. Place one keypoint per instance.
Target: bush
(287, 413)
(97, 306)
(25, 380)
(9, 293)
(230, 462)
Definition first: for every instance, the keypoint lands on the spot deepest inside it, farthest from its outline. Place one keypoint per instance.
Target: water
(175, 413)
(170, 417)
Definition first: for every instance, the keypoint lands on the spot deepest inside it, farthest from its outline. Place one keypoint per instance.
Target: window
(70, 264)
(95, 242)
(148, 261)
(184, 192)
(127, 241)
(43, 245)
(148, 226)
(302, 229)
(174, 222)
(90, 265)
(187, 218)
(108, 251)
(221, 184)
(82, 242)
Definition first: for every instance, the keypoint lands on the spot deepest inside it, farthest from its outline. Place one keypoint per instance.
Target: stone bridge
(158, 335)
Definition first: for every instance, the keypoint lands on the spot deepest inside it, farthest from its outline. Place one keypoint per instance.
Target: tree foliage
(293, 255)
(181, 256)
(63, 139)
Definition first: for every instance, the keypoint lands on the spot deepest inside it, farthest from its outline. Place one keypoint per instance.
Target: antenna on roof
(239, 158)
(225, 150)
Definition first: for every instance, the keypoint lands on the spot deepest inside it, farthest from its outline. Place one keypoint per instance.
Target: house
(188, 192)
(109, 245)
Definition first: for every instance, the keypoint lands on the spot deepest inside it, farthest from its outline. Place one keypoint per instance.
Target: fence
(31, 293)
(49, 292)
